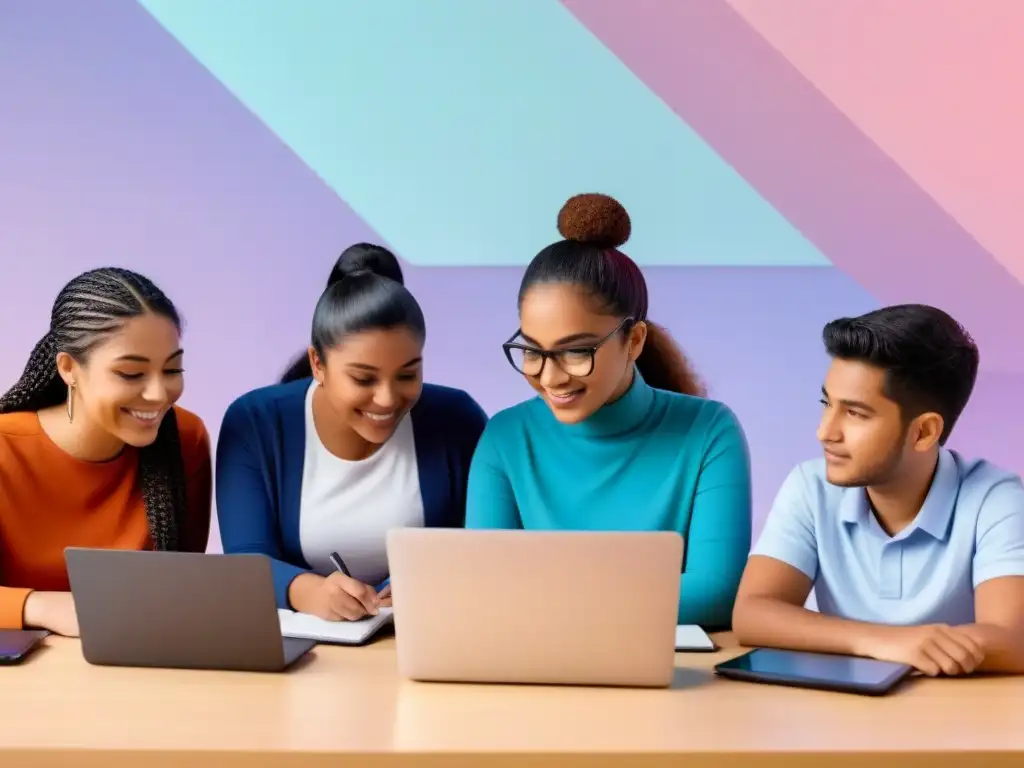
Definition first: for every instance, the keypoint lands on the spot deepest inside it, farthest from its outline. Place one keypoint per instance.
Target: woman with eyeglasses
(621, 436)
(312, 472)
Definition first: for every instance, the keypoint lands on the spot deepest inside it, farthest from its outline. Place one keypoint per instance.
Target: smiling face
(128, 382)
(371, 380)
(559, 317)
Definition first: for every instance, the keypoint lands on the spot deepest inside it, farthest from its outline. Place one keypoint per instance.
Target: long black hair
(595, 226)
(365, 291)
(87, 310)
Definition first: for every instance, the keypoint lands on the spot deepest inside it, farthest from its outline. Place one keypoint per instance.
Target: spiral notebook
(307, 627)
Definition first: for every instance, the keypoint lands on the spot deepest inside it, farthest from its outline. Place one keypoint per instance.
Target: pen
(339, 564)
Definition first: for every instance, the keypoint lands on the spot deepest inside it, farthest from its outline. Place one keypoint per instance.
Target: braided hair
(88, 309)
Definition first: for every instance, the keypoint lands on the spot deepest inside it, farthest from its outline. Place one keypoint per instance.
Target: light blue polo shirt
(969, 530)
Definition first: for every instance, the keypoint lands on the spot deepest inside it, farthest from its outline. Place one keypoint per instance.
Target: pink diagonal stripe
(811, 162)
(939, 93)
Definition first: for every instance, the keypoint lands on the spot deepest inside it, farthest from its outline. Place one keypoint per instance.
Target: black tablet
(17, 644)
(845, 674)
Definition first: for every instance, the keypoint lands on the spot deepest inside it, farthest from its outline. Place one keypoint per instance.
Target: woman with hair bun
(349, 444)
(621, 436)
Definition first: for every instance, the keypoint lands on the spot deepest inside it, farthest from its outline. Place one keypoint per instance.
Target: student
(330, 459)
(915, 554)
(93, 451)
(620, 437)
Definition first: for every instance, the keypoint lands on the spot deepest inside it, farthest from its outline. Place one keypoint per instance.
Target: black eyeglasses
(575, 361)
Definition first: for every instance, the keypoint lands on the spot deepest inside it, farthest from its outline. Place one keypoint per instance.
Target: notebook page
(343, 632)
(690, 637)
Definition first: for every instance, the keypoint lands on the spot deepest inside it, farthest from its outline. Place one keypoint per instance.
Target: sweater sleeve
(12, 607)
(472, 424)
(245, 509)
(718, 540)
(490, 502)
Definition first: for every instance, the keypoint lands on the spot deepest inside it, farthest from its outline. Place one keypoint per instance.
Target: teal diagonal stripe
(457, 128)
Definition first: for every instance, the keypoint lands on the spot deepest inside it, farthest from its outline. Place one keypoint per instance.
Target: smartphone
(17, 644)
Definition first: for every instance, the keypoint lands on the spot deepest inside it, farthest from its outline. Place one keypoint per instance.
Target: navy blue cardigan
(261, 451)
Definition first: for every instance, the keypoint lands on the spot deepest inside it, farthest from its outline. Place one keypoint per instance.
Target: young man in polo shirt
(915, 554)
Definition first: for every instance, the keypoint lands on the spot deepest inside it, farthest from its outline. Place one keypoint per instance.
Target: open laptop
(569, 608)
(179, 610)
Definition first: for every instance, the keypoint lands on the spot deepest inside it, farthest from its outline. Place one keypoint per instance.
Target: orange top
(50, 500)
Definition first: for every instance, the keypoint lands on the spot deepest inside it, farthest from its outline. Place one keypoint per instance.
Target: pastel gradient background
(784, 163)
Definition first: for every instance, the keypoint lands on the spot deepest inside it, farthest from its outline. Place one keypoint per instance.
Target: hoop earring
(71, 402)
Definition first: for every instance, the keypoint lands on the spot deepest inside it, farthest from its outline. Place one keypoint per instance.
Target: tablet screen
(795, 666)
(16, 642)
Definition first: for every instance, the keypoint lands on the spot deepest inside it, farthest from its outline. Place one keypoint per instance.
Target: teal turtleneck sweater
(651, 461)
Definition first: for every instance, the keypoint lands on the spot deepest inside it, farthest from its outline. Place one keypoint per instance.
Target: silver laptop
(570, 608)
(179, 610)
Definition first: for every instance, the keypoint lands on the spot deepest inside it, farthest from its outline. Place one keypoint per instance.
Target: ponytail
(664, 366)
(299, 369)
(39, 385)
(365, 290)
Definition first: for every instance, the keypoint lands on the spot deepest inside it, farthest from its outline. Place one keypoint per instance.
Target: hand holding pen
(349, 598)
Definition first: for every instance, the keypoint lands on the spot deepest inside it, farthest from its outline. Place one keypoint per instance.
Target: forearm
(301, 590)
(36, 610)
(770, 623)
(1003, 647)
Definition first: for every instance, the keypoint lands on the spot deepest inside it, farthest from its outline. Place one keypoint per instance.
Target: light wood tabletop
(57, 710)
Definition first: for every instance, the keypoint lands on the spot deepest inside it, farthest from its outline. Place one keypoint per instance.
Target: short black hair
(930, 360)
(365, 291)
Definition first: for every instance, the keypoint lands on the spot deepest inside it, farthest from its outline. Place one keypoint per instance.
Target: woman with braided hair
(93, 451)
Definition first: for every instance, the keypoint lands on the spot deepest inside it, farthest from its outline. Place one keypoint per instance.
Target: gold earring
(71, 402)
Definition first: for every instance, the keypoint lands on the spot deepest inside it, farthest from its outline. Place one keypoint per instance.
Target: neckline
(618, 418)
(114, 462)
(935, 513)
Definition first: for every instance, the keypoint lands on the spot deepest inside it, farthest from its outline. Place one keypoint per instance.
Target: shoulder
(20, 435)
(986, 488)
(448, 409)
(266, 404)
(438, 398)
(679, 408)
(272, 398)
(516, 417)
(19, 424)
(699, 421)
(191, 429)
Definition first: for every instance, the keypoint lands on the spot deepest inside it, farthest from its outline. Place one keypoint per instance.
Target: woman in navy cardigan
(350, 444)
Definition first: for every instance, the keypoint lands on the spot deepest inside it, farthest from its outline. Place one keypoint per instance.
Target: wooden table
(56, 710)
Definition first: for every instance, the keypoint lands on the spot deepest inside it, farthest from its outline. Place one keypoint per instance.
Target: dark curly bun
(596, 219)
(365, 258)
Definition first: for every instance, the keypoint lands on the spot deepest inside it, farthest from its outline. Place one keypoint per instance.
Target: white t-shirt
(348, 506)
